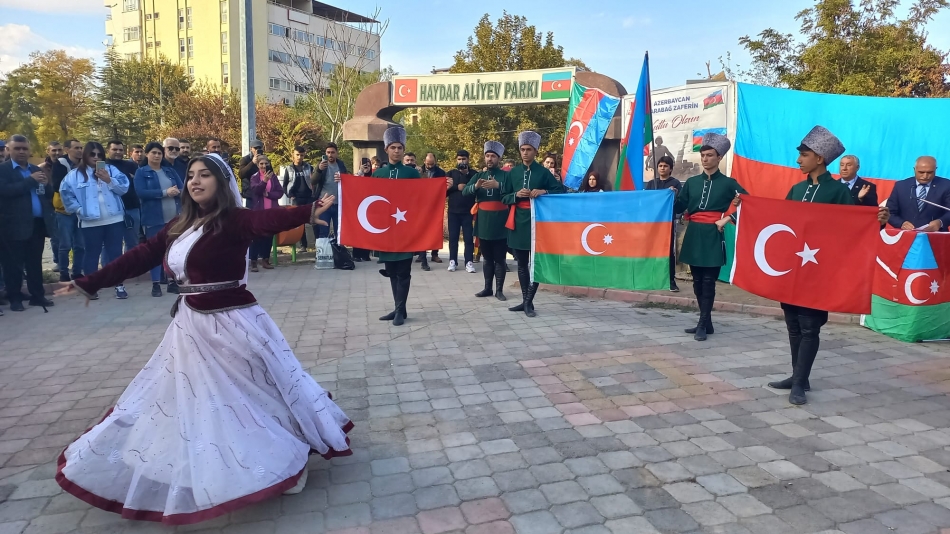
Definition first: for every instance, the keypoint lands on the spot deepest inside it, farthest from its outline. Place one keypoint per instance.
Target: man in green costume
(491, 216)
(525, 181)
(398, 264)
(819, 148)
(706, 198)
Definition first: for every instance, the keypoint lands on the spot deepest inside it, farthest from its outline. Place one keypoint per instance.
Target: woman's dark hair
(551, 155)
(668, 160)
(587, 188)
(152, 145)
(191, 213)
(86, 151)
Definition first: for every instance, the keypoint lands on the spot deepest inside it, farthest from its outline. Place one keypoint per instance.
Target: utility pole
(248, 116)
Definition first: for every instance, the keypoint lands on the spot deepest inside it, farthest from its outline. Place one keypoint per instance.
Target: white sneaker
(452, 266)
(301, 482)
(470, 267)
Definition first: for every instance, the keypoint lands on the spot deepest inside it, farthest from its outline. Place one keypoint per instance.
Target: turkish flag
(405, 91)
(818, 256)
(391, 215)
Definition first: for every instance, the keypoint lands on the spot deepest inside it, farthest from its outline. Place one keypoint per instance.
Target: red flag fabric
(391, 215)
(813, 255)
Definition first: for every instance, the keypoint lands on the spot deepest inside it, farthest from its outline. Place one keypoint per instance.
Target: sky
(610, 36)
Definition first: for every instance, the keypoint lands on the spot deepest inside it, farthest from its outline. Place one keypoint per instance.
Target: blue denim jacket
(150, 192)
(81, 195)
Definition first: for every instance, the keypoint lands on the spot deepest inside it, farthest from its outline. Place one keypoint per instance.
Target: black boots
(499, 283)
(529, 301)
(402, 295)
(489, 272)
(810, 327)
(704, 287)
(524, 279)
(794, 342)
(394, 284)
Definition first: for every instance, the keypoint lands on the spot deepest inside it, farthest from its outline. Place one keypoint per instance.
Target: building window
(327, 67)
(188, 17)
(130, 5)
(224, 74)
(191, 47)
(224, 42)
(131, 34)
(224, 12)
(191, 72)
(148, 16)
(371, 54)
(278, 30)
(280, 57)
(132, 57)
(181, 48)
(149, 45)
(181, 19)
(155, 16)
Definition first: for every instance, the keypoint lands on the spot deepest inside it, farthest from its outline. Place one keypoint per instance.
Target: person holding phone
(93, 191)
(264, 193)
(367, 167)
(158, 187)
(327, 182)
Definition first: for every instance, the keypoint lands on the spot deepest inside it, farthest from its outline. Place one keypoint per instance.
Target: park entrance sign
(544, 86)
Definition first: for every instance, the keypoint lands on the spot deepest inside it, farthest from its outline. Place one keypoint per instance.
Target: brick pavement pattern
(595, 417)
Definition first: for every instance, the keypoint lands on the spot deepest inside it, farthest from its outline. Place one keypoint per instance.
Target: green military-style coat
(396, 171)
(826, 191)
(703, 243)
(489, 225)
(520, 177)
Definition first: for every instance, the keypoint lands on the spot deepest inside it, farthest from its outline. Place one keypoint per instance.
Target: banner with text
(484, 88)
(681, 116)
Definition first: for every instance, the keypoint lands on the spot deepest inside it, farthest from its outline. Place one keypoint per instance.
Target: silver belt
(192, 289)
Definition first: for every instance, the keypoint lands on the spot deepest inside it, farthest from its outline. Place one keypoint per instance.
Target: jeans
(102, 240)
(54, 247)
(150, 232)
(261, 248)
(28, 254)
(331, 217)
(461, 221)
(70, 238)
(131, 236)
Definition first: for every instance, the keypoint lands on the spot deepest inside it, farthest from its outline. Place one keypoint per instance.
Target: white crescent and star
(556, 85)
(401, 87)
(608, 239)
(400, 215)
(580, 132)
(807, 254)
(910, 294)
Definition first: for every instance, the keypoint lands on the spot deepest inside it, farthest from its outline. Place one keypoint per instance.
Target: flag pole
(656, 173)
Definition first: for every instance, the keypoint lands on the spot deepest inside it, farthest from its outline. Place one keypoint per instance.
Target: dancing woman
(223, 415)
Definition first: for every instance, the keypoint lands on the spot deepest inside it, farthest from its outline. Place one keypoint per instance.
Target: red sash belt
(522, 204)
(707, 217)
(488, 205)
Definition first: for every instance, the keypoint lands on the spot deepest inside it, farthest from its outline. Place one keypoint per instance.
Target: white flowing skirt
(222, 416)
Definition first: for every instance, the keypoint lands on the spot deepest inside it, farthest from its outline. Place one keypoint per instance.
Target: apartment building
(294, 40)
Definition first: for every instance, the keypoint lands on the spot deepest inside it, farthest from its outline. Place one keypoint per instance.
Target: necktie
(921, 195)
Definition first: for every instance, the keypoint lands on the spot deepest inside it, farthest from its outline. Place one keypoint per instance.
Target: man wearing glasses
(172, 151)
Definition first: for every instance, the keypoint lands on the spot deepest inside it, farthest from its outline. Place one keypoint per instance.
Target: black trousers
(673, 256)
(524, 271)
(461, 222)
(400, 275)
(494, 251)
(360, 253)
(804, 327)
(704, 287)
(28, 254)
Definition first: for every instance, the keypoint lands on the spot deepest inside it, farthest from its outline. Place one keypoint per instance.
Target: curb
(641, 297)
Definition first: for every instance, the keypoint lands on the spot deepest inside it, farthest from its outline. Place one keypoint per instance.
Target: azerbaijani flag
(615, 240)
(588, 118)
(714, 99)
(910, 298)
(556, 85)
(698, 136)
(638, 137)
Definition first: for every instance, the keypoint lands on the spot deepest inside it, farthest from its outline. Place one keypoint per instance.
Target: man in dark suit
(863, 192)
(26, 209)
(908, 211)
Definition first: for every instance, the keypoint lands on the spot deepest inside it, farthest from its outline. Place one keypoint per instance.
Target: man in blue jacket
(908, 209)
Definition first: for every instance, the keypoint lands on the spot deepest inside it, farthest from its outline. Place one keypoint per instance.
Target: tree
(510, 44)
(281, 128)
(857, 50)
(334, 67)
(133, 95)
(47, 97)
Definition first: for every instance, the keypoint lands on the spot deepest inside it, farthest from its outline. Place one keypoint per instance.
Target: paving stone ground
(595, 417)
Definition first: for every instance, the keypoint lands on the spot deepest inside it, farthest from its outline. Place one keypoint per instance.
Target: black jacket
(16, 203)
(457, 202)
(298, 187)
(434, 172)
(128, 168)
(246, 169)
(869, 199)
